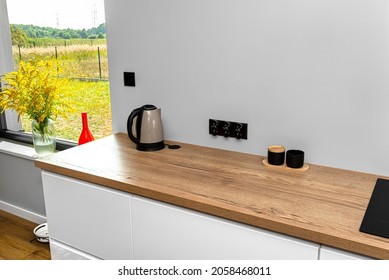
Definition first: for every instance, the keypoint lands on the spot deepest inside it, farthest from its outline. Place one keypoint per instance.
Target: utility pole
(57, 19)
(94, 17)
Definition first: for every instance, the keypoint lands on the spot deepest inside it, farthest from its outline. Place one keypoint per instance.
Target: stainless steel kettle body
(144, 127)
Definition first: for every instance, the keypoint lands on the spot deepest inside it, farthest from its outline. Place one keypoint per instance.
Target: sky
(74, 14)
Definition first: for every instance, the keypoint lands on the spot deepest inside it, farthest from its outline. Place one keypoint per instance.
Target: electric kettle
(144, 127)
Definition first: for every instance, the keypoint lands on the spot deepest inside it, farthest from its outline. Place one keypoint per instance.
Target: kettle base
(150, 147)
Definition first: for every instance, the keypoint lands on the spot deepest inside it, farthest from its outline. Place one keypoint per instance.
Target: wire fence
(82, 62)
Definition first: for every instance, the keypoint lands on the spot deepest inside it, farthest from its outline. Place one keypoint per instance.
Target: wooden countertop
(323, 205)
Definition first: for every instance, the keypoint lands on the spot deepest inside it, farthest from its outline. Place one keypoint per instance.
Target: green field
(89, 89)
(58, 42)
(78, 61)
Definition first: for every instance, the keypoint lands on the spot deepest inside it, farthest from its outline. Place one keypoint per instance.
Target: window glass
(73, 33)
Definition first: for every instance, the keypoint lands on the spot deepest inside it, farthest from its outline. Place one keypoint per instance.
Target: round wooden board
(284, 167)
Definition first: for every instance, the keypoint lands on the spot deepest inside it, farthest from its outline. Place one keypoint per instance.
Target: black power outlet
(228, 129)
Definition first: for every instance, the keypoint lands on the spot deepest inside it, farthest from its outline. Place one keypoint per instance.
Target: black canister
(295, 158)
(276, 155)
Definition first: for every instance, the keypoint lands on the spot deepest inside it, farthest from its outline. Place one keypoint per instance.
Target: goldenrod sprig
(35, 89)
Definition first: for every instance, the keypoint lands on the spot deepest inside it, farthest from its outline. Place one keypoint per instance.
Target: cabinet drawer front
(163, 231)
(61, 251)
(88, 217)
(329, 253)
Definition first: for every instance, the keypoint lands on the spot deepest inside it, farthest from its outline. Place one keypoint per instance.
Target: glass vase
(43, 136)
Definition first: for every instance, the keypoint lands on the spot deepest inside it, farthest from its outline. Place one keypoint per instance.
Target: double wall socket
(228, 129)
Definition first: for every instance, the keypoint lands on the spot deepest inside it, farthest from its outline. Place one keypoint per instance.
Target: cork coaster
(304, 168)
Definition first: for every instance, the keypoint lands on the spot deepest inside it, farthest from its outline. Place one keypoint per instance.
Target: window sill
(22, 137)
(20, 144)
(17, 150)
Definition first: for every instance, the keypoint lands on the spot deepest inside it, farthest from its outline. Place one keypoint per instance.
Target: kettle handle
(130, 121)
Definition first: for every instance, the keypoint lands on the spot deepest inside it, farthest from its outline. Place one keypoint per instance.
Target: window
(73, 32)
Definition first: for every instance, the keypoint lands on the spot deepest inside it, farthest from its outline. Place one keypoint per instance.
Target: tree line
(23, 35)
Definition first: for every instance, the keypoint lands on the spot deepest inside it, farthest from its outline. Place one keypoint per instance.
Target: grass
(90, 97)
(45, 42)
(79, 62)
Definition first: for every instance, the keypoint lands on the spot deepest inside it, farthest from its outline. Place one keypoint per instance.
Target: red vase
(86, 135)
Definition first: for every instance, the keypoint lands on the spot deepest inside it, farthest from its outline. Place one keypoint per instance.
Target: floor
(17, 241)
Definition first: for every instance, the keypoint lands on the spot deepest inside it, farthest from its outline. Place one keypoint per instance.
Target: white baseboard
(25, 214)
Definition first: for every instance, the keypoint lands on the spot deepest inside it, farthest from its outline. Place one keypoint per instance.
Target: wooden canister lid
(276, 149)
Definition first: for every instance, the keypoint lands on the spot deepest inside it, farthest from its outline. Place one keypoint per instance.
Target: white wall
(305, 74)
(21, 195)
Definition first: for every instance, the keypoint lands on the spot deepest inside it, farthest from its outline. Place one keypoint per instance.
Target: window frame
(7, 64)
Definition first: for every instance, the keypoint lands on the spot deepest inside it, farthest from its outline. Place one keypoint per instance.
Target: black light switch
(129, 79)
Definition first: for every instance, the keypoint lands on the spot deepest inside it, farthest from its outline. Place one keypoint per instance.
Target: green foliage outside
(90, 97)
(18, 36)
(33, 33)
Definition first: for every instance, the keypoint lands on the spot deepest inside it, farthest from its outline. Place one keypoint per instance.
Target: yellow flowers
(35, 89)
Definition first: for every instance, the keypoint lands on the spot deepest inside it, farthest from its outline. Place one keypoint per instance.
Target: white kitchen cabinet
(89, 217)
(329, 253)
(88, 221)
(164, 231)
(60, 251)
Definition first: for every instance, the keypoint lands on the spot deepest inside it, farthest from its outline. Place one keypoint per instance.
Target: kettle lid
(149, 107)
